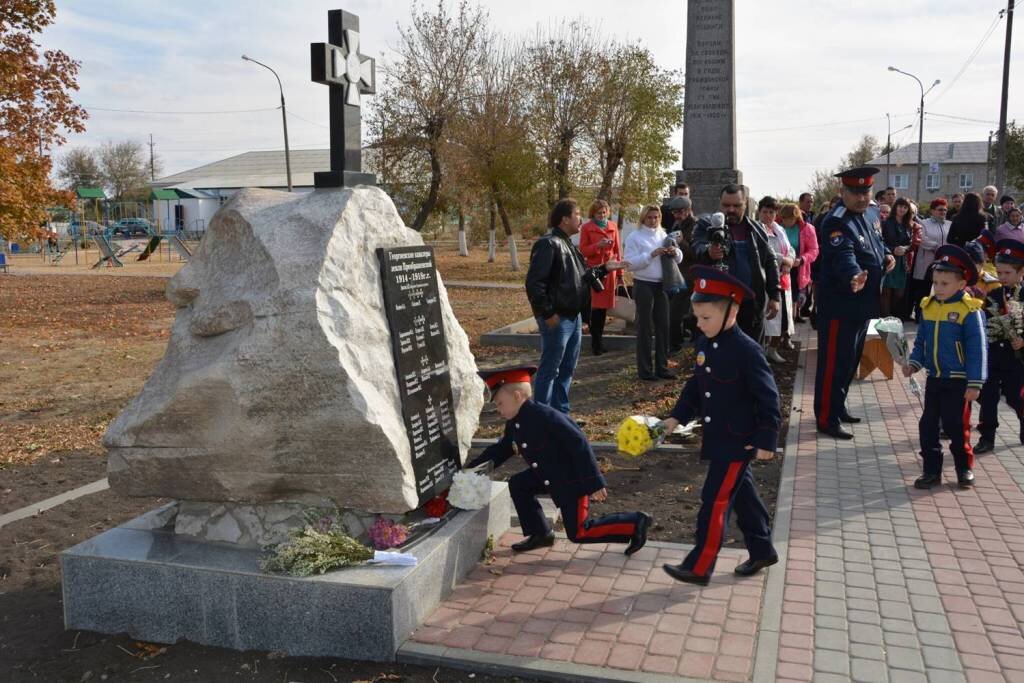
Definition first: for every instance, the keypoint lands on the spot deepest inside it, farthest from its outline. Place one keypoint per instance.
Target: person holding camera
(645, 253)
(740, 245)
(558, 285)
(599, 243)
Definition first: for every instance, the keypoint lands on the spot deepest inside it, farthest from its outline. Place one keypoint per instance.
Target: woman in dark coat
(897, 231)
(969, 221)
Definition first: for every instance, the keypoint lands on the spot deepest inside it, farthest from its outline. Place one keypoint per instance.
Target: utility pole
(152, 167)
(1001, 140)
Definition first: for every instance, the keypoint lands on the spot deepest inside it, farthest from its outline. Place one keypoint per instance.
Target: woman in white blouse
(645, 249)
(934, 231)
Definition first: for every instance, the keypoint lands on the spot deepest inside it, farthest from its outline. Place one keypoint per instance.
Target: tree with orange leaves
(36, 110)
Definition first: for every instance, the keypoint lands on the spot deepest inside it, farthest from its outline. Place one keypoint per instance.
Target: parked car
(132, 227)
(88, 227)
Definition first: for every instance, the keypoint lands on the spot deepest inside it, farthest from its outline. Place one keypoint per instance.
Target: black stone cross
(350, 75)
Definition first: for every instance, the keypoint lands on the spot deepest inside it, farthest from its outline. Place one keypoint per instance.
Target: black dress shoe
(752, 566)
(965, 479)
(926, 481)
(666, 374)
(984, 446)
(640, 534)
(685, 575)
(535, 541)
(649, 378)
(849, 419)
(836, 432)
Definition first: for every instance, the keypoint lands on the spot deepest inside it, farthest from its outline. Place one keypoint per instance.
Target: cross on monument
(349, 75)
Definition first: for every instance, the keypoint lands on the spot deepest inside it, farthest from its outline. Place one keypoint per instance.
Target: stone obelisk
(709, 116)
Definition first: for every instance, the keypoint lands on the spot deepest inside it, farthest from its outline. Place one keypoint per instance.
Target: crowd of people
(737, 281)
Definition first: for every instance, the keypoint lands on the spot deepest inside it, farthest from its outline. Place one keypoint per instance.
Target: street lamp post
(920, 127)
(888, 146)
(284, 119)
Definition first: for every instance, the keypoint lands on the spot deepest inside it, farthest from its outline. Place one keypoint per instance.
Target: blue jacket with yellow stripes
(950, 341)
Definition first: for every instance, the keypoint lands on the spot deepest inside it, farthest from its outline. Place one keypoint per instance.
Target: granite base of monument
(706, 186)
(142, 579)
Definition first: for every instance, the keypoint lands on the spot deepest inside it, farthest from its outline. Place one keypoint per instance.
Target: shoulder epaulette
(839, 211)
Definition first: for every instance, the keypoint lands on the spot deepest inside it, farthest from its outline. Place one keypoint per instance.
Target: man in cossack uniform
(1005, 369)
(853, 259)
(560, 463)
(733, 392)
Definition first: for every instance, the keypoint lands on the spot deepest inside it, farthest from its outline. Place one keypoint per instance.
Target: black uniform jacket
(733, 392)
(555, 449)
(850, 243)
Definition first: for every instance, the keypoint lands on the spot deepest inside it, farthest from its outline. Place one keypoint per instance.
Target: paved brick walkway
(591, 605)
(878, 581)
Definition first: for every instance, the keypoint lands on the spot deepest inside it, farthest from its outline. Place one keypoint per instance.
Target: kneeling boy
(561, 463)
(733, 391)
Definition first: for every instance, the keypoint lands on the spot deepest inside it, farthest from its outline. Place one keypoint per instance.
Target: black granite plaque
(421, 359)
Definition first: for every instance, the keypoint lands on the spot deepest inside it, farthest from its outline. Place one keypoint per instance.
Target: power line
(820, 125)
(960, 118)
(971, 57)
(300, 118)
(203, 113)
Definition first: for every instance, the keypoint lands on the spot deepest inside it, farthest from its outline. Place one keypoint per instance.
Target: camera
(595, 277)
(718, 234)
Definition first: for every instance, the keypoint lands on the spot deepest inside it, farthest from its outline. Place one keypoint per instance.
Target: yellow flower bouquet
(638, 434)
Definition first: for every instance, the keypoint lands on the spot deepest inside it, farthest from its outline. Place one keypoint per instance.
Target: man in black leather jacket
(748, 257)
(558, 294)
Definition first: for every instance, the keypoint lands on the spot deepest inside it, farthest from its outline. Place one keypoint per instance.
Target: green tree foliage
(1015, 155)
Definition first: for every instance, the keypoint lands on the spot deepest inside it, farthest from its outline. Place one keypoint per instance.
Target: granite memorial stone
(709, 111)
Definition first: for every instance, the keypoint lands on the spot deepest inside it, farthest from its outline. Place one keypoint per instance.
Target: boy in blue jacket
(951, 346)
(733, 391)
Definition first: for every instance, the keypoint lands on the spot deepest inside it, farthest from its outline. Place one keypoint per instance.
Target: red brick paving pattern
(592, 605)
(975, 542)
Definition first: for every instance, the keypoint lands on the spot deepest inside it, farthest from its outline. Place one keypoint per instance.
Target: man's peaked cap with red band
(858, 179)
(987, 240)
(499, 377)
(714, 284)
(1010, 252)
(953, 259)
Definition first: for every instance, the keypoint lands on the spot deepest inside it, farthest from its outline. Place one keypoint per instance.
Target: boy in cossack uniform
(561, 464)
(733, 391)
(951, 346)
(1005, 370)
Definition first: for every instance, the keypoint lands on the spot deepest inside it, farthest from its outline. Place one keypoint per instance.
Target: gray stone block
(904, 658)
(868, 634)
(869, 670)
(941, 657)
(159, 587)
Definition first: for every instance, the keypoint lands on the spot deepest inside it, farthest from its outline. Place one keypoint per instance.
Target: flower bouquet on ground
(891, 331)
(1006, 323)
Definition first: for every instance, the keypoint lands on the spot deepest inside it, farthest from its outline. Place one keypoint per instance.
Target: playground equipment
(175, 243)
(107, 255)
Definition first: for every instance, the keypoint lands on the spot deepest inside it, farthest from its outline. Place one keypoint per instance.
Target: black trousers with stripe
(840, 346)
(1006, 377)
(524, 488)
(729, 487)
(944, 405)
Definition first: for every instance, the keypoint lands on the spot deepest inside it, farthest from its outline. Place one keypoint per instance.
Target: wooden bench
(876, 355)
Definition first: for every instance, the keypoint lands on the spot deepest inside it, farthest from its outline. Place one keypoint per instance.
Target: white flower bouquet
(891, 331)
(469, 490)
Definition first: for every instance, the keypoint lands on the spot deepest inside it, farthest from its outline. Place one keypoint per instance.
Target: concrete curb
(768, 631)
(510, 665)
(52, 502)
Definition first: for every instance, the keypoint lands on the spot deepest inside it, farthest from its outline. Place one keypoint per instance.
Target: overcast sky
(811, 76)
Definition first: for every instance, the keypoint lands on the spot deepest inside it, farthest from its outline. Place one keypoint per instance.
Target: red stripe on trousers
(598, 531)
(716, 529)
(967, 435)
(830, 370)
